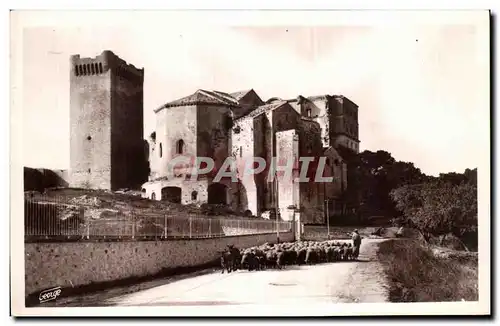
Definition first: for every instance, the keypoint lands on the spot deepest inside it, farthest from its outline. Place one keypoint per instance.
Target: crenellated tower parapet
(101, 64)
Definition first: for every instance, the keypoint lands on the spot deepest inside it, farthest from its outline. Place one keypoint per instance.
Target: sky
(421, 81)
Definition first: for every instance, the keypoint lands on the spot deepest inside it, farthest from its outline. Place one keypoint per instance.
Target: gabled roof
(263, 108)
(201, 96)
(224, 96)
(238, 95)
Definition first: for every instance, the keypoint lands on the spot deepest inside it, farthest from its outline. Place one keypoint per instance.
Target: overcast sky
(422, 84)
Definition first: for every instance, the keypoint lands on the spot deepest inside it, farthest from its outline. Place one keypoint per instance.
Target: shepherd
(356, 241)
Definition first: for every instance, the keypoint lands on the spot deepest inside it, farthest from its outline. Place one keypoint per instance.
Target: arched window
(194, 195)
(161, 150)
(308, 113)
(180, 146)
(153, 196)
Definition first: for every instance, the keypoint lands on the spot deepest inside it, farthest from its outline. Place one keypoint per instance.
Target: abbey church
(108, 150)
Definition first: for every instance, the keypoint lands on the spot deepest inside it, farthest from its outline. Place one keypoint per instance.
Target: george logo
(50, 294)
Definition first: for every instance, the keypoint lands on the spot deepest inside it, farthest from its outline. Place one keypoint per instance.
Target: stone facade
(241, 126)
(106, 115)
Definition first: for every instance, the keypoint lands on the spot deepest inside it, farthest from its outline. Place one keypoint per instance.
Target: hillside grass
(415, 274)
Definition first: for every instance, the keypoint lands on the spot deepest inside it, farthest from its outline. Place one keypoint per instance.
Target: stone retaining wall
(72, 264)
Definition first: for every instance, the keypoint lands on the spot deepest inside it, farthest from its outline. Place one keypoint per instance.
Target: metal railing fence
(57, 219)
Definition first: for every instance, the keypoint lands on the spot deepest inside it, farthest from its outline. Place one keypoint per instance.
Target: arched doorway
(217, 193)
(171, 194)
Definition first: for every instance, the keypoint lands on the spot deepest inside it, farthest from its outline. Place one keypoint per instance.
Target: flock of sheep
(289, 253)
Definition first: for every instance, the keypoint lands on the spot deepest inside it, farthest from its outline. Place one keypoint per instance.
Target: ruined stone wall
(345, 124)
(74, 264)
(268, 188)
(187, 187)
(246, 145)
(347, 142)
(321, 114)
(287, 143)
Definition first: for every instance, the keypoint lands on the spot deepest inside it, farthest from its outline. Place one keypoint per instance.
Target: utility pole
(328, 219)
(277, 208)
(275, 180)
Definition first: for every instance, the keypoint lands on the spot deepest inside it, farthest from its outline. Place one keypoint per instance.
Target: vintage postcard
(250, 163)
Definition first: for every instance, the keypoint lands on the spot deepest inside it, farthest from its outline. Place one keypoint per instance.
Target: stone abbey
(108, 149)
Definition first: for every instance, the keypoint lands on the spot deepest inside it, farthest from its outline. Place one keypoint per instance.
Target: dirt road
(342, 282)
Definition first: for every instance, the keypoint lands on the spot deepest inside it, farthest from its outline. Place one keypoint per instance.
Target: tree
(441, 206)
(372, 176)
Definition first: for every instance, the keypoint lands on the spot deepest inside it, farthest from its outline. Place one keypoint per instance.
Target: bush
(439, 207)
(216, 209)
(414, 274)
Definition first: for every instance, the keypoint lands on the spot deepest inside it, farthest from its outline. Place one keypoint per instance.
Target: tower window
(180, 146)
(89, 138)
(161, 150)
(89, 170)
(194, 195)
(153, 196)
(308, 113)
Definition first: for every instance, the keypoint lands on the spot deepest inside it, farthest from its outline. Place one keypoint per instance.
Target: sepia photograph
(250, 163)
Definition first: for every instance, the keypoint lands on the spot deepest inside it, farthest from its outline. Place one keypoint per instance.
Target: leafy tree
(447, 204)
(371, 177)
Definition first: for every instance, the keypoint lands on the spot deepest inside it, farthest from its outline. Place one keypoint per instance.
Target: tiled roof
(238, 95)
(202, 97)
(263, 108)
(223, 96)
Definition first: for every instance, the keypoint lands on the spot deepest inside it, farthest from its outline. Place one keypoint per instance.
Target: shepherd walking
(356, 242)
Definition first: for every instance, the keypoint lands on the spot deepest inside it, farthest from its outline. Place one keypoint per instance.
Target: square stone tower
(106, 116)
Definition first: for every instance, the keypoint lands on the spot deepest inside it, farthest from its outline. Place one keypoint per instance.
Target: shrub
(414, 274)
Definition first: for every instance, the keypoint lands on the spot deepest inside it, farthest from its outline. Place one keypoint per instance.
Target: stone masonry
(108, 150)
(106, 116)
(241, 126)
